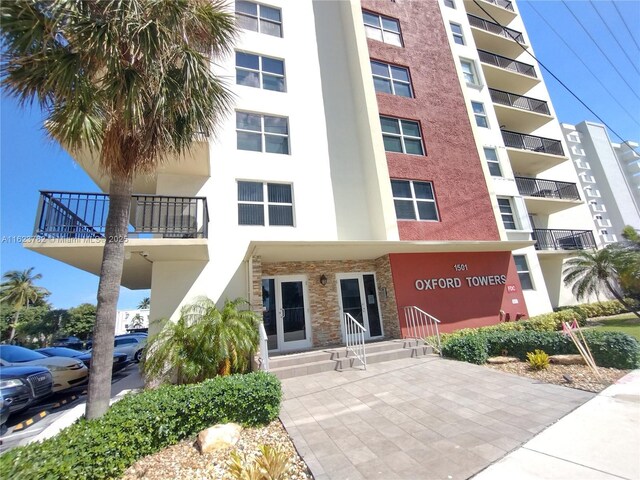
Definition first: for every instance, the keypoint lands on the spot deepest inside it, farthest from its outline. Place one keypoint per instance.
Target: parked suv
(132, 345)
(22, 386)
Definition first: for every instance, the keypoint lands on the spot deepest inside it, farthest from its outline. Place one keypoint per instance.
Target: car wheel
(138, 356)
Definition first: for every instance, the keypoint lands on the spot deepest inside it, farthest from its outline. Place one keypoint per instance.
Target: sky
(603, 71)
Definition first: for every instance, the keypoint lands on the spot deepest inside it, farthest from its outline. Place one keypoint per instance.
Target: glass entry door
(285, 313)
(359, 298)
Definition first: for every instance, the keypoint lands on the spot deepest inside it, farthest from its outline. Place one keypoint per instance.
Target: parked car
(132, 345)
(67, 372)
(22, 386)
(69, 342)
(119, 359)
(4, 415)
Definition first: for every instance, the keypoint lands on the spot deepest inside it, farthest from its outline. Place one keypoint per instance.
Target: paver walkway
(416, 418)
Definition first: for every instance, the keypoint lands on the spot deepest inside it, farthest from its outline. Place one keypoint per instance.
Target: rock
(501, 360)
(568, 378)
(218, 436)
(567, 359)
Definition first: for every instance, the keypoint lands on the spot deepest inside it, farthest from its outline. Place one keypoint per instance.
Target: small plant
(538, 359)
(272, 464)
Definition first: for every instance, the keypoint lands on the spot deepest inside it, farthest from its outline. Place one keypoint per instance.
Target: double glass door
(359, 298)
(285, 313)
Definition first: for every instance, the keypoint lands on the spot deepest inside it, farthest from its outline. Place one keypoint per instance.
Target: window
(402, 136)
(469, 72)
(449, 3)
(391, 79)
(383, 29)
(253, 210)
(523, 272)
(479, 113)
(506, 211)
(259, 18)
(491, 156)
(262, 133)
(259, 72)
(414, 200)
(456, 31)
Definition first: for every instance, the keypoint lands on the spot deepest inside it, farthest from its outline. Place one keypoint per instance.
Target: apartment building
(609, 175)
(386, 161)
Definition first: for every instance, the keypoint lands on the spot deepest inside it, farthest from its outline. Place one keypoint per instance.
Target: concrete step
(337, 359)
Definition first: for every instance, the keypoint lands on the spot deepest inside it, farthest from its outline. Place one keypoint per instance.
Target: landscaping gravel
(184, 461)
(581, 376)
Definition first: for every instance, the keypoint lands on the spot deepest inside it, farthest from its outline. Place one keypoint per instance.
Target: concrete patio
(416, 418)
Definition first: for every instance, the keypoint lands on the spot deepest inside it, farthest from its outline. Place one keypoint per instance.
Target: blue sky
(30, 162)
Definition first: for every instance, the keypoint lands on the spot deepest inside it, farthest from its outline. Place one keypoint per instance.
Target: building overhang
(140, 253)
(297, 251)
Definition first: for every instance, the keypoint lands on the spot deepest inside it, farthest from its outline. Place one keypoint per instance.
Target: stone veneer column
(256, 285)
(388, 305)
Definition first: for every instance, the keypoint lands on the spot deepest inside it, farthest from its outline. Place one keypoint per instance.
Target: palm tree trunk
(12, 331)
(621, 300)
(99, 394)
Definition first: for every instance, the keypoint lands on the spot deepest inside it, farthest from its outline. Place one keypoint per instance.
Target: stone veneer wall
(323, 300)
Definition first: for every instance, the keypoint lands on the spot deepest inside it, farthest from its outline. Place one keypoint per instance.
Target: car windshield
(60, 352)
(13, 353)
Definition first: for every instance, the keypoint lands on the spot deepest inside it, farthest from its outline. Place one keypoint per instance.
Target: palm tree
(18, 291)
(590, 272)
(144, 304)
(204, 342)
(130, 81)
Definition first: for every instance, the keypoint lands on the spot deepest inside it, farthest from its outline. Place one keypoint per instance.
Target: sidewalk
(599, 440)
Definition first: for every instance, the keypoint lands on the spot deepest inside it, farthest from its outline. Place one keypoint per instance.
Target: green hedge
(609, 349)
(600, 309)
(143, 424)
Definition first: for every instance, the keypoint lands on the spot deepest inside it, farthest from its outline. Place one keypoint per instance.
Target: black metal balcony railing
(507, 63)
(519, 101)
(547, 239)
(84, 215)
(492, 27)
(538, 187)
(532, 142)
(506, 4)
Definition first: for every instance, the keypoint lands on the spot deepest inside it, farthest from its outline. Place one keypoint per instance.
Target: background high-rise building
(609, 176)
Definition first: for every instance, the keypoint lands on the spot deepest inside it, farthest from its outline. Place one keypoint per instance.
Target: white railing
(264, 349)
(354, 338)
(422, 326)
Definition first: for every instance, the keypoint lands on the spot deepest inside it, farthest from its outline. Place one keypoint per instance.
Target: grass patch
(626, 322)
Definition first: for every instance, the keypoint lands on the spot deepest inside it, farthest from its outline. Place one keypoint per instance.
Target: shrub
(609, 349)
(271, 464)
(538, 360)
(600, 309)
(469, 348)
(142, 424)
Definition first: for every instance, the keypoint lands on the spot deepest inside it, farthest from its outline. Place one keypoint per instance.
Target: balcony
(507, 74)
(544, 197)
(518, 112)
(530, 154)
(496, 38)
(548, 239)
(501, 10)
(70, 227)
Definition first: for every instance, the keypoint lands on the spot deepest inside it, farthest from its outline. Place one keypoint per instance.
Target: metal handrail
(354, 338)
(519, 101)
(532, 143)
(506, 4)
(422, 326)
(263, 354)
(538, 187)
(493, 27)
(563, 239)
(84, 215)
(507, 63)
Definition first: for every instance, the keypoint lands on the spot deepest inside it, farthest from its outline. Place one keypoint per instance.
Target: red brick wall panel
(451, 161)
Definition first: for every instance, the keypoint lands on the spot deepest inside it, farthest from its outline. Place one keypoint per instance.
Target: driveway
(416, 418)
